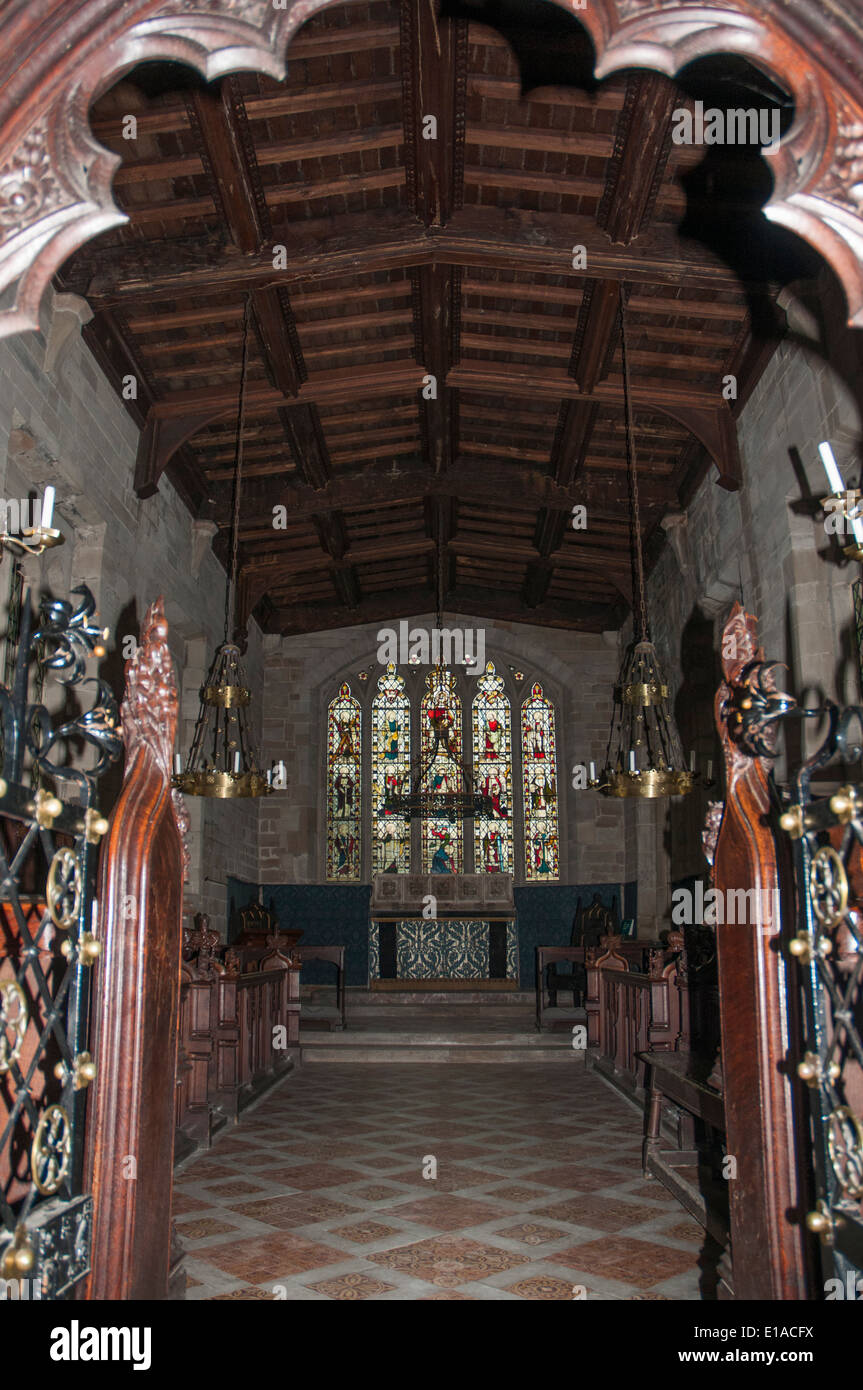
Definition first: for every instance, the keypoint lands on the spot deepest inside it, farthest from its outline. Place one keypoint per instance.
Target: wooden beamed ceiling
(380, 250)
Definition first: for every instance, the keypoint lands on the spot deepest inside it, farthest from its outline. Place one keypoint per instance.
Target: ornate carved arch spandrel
(60, 54)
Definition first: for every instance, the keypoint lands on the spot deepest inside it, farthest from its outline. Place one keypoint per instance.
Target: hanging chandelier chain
(230, 595)
(632, 470)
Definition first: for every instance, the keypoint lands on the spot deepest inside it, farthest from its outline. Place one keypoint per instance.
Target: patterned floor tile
(245, 1295)
(365, 1232)
(351, 1286)
(257, 1260)
(530, 1233)
(202, 1226)
(337, 1153)
(375, 1192)
(183, 1202)
(449, 1261)
(543, 1286)
(299, 1210)
(515, 1193)
(602, 1213)
(309, 1177)
(637, 1262)
(443, 1213)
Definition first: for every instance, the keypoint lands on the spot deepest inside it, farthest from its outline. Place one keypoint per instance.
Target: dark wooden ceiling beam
(436, 332)
(507, 239)
(471, 601)
(277, 335)
(434, 68)
(526, 489)
(596, 334)
(308, 445)
(576, 425)
(641, 147)
(219, 121)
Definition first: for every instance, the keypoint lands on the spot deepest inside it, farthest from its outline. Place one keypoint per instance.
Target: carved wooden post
(130, 1142)
(767, 1250)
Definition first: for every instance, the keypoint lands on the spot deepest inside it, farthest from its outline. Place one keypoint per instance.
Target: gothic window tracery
(539, 783)
(501, 745)
(492, 770)
(344, 787)
(391, 756)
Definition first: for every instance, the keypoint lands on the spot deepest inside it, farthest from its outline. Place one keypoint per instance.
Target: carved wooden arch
(59, 55)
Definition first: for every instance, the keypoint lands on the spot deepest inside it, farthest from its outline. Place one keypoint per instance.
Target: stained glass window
(539, 782)
(492, 771)
(344, 785)
(442, 841)
(391, 756)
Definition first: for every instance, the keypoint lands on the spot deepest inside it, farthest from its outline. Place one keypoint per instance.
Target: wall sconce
(843, 503)
(34, 540)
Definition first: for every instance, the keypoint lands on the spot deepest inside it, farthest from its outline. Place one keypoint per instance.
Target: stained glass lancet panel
(391, 768)
(539, 782)
(442, 842)
(492, 767)
(344, 786)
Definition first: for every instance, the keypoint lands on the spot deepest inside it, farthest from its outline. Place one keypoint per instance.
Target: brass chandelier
(644, 757)
(223, 760)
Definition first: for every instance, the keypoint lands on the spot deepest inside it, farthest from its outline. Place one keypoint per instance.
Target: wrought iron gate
(827, 834)
(49, 831)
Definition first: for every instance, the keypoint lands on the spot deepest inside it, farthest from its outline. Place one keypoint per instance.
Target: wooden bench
(684, 1079)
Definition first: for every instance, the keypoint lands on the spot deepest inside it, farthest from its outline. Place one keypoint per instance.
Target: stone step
(356, 999)
(450, 1045)
(437, 1052)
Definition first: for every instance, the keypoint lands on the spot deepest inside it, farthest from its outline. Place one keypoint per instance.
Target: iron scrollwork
(46, 935)
(826, 832)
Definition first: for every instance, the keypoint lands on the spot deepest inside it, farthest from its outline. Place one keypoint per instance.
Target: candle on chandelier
(632, 759)
(692, 761)
(709, 769)
(48, 507)
(593, 772)
(178, 764)
(236, 762)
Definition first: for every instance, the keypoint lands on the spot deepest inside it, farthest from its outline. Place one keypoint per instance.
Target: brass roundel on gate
(14, 1017)
(52, 1150)
(828, 887)
(845, 1146)
(64, 888)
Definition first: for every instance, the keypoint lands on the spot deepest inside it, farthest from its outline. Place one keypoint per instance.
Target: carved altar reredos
(455, 895)
(59, 55)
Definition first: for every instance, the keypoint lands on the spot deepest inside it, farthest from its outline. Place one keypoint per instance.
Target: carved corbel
(161, 437)
(69, 314)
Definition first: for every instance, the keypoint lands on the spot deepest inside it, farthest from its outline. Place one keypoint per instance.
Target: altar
(446, 931)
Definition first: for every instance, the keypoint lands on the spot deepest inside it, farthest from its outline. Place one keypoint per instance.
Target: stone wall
(767, 545)
(66, 426)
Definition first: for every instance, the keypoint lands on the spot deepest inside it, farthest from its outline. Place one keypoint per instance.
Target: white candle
(632, 759)
(47, 507)
(269, 776)
(709, 769)
(831, 468)
(236, 762)
(178, 764)
(692, 761)
(593, 772)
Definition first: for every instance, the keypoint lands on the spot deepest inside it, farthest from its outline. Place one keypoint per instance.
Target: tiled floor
(326, 1191)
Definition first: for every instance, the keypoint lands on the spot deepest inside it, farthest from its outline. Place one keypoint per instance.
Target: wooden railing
(630, 1013)
(239, 1030)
